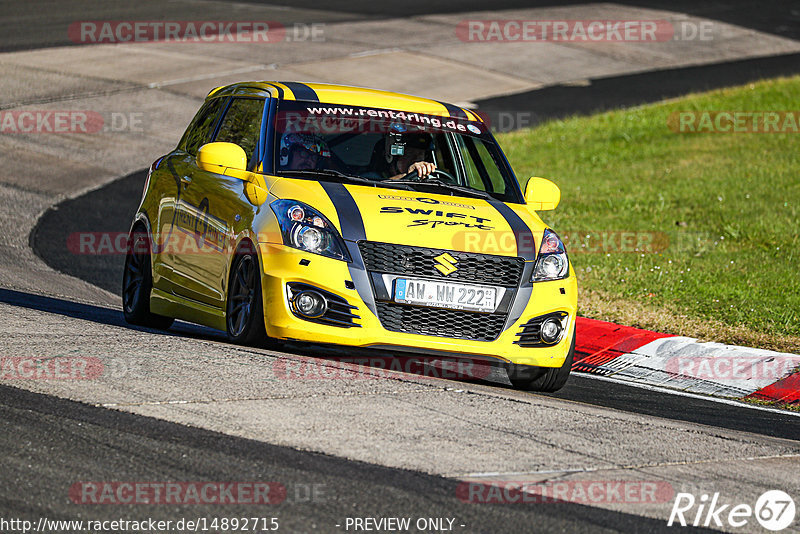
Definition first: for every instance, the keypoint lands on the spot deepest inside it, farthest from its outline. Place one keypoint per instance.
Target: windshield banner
(331, 119)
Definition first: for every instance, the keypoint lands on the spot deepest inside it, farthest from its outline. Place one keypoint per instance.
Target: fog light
(551, 330)
(310, 304)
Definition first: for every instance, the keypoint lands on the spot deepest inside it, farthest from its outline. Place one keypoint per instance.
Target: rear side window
(242, 125)
(202, 127)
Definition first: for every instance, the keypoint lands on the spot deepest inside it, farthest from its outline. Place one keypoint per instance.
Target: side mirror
(542, 194)
(218, 157)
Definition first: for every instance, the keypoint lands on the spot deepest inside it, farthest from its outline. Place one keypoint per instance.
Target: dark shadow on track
(559, 101)
(76, 443)
(587, 390)
(108, 210)
(93, 313)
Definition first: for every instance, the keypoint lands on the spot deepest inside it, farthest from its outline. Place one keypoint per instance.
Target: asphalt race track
(185, 405)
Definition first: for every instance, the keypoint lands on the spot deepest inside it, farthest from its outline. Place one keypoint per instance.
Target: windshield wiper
(444, 185)
(344, 177)
(329, 172)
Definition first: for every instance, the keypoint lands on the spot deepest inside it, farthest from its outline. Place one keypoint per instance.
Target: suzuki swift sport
(357, 217)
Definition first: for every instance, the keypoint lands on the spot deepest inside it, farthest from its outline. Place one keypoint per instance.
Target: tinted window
(242, 124)
(199, 132)
(483, 173)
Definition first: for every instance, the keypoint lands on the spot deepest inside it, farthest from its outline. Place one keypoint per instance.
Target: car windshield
(378, 146)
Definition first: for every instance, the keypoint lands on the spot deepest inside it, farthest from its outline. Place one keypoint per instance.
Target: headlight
(552, 262)
(305, 228)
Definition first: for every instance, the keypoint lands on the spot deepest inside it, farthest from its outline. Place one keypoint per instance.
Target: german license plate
(445, 294)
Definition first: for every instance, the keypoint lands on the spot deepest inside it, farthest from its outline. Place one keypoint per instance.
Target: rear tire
(543, 379)
(244, 311)
(137, 283)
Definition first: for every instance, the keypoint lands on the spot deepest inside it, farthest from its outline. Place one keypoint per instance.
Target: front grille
(477, 268)
(440, 322)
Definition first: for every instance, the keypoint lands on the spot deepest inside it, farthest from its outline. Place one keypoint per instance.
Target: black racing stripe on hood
(352, 232)
(347, 209)
(524, 239)
(302, 91)
(522, 234)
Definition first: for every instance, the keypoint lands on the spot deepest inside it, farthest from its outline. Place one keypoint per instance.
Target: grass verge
(694, 234)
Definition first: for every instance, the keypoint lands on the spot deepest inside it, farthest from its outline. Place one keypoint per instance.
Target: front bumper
(282, 265)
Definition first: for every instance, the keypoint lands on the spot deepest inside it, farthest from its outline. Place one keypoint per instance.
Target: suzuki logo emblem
(445, 263)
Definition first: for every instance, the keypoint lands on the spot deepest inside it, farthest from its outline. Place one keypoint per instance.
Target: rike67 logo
(774, 510)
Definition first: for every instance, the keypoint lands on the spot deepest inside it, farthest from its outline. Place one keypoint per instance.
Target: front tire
(137, 283)
(244, 311)
(543, 379)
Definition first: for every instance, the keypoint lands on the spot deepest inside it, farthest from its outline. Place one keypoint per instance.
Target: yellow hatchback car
(333, 214)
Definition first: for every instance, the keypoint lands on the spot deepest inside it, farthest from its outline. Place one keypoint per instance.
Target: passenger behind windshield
(301, 151)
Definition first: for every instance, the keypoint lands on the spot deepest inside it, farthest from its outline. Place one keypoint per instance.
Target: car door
(214, 206)
(173, 179)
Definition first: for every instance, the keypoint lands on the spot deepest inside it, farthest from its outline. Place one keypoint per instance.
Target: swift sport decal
(433, 223)
(471, 221)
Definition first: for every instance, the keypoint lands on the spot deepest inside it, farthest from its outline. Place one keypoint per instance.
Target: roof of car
(346, 95)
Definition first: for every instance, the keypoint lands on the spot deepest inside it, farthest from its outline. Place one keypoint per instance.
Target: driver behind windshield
(404, 153)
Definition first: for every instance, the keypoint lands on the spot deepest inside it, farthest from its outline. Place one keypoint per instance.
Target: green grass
(729, 204)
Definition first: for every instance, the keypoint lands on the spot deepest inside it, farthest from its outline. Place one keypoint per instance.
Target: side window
(242, 125)
(482, 171)
(491, 168)
(201, 128)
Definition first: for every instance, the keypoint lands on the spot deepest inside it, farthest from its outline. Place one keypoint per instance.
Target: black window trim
(215, 124)
(251, 166)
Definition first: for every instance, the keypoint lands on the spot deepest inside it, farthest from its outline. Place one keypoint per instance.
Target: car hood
(464, 224)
